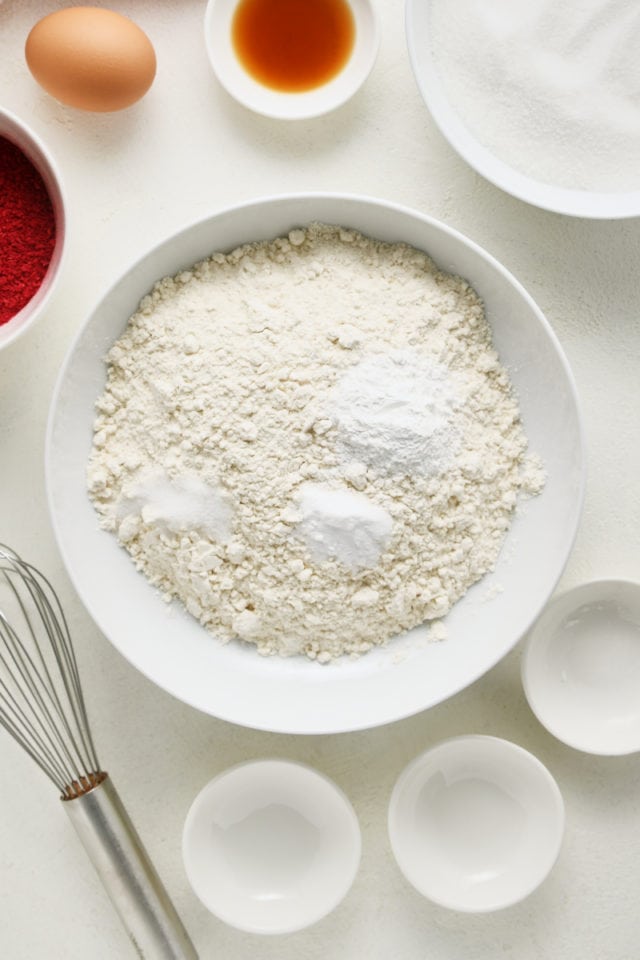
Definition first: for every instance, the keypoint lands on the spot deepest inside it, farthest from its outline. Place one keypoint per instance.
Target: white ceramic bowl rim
(294, 695)
(576, 203)
(400, 834)
(282, 105)
(16, 130)
(585, 723)
(302, 914)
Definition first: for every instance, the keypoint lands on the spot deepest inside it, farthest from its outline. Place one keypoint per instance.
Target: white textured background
(132, 178)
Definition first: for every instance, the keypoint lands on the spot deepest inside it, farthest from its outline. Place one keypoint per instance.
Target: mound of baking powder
(394, 412)
(310, 442)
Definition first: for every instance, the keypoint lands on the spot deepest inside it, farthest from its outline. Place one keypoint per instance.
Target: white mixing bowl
(296, 695)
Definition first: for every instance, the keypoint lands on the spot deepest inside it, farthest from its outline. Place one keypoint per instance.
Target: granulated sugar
(550, 88)
(310, 442)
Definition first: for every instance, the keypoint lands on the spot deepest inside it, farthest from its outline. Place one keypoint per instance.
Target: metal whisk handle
(136, 891)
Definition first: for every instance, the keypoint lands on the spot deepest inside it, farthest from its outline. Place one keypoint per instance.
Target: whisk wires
(41, 700)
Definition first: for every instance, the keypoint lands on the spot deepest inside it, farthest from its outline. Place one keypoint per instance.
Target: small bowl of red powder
(32, 227)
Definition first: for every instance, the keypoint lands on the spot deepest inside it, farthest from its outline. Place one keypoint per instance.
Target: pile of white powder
(553, 89)
(310, 442)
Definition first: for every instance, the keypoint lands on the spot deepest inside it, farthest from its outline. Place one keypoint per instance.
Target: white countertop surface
(131, 179)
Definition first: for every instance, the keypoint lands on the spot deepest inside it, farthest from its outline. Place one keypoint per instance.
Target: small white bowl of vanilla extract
(291, 59)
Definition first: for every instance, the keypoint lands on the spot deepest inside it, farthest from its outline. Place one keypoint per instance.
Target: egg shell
(91, 58)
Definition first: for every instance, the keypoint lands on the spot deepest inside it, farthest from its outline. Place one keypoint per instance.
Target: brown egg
(91, 58)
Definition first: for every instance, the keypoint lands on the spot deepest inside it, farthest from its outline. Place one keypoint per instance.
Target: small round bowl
(581, 667)
(271, 846)
(282, 105)
(572, 202)
(476, 823)
(34, 149)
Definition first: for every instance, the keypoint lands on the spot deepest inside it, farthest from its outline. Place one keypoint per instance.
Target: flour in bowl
(311, 442)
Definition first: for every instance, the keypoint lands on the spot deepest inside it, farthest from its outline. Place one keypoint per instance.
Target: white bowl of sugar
(539, 100)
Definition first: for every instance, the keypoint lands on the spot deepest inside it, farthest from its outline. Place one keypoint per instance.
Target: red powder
(27, 230)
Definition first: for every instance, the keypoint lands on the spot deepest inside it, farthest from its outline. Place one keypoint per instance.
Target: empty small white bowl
(476, 823)
(581, 667)
(271, 846)
(284, 105)
(16, 131)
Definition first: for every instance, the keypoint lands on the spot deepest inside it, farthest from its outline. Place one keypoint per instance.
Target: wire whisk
(42, 706)
(41, 700)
